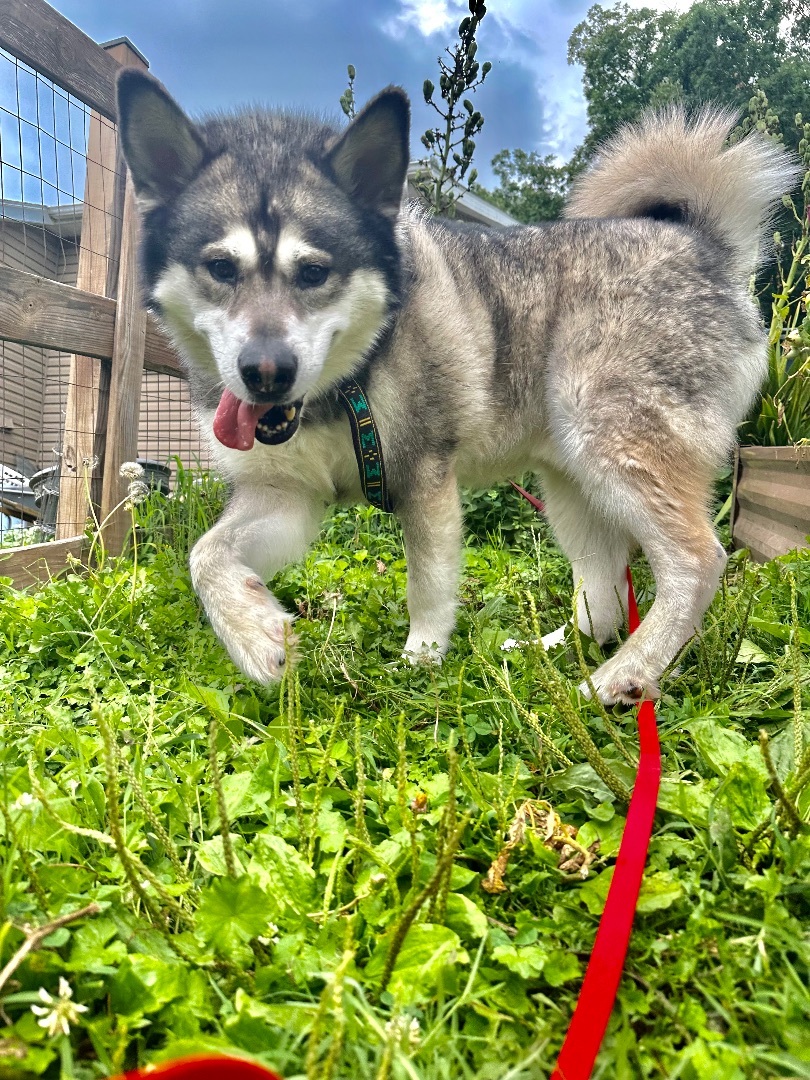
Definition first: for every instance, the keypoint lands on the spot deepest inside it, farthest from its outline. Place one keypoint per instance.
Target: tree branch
(33, 938)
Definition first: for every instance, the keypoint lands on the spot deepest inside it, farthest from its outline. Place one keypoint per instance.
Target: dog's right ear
(161, 145)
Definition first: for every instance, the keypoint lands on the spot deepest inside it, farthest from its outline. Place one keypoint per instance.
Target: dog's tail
(667, 167)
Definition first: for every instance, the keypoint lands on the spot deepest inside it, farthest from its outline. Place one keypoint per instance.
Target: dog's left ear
(370, 160)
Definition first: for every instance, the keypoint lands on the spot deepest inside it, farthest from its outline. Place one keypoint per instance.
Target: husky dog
(613, 353)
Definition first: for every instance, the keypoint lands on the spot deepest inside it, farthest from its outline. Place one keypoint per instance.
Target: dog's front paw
(623, 683)
(258, 634)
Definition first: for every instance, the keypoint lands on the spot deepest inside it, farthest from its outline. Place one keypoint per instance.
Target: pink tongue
(235, 421)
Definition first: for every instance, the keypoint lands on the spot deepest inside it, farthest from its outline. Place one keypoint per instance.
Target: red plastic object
(203, 1067)
(598, 993)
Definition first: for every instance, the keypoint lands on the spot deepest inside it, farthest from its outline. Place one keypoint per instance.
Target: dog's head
(268, 244)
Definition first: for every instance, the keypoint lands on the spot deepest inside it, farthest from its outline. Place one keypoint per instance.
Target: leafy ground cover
(378, 871)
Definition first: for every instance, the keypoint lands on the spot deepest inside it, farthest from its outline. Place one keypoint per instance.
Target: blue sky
(214, 54)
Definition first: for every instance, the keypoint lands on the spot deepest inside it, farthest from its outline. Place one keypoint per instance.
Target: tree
(718, 51)
(724, 51)
(532, 188)
(617, 47)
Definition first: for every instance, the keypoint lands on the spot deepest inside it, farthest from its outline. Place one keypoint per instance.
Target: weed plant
(297, 873)
(781, 416)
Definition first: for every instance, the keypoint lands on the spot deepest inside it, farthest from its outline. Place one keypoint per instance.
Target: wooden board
(125, 382)
(79, 482)
(45, 40)
(40, 562)
(771, 506)
(41, 312)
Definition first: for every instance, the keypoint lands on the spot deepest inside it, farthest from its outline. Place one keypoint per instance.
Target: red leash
(598, 993)
(203, 1067)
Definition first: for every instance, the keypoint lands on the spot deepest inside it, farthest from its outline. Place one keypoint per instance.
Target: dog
(613, 353)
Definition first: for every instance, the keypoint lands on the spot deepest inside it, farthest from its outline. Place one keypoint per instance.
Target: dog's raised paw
(258, 633)
(621, 688)
(266, 653)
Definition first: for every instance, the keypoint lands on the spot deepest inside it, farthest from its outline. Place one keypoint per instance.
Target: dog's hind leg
(432, 524)
(261, 531)
(659, 495)
(598, 553)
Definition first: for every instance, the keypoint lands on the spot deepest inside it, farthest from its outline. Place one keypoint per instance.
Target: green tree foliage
(618, 48)
(532, 188)
(724, 51)
(718, 51)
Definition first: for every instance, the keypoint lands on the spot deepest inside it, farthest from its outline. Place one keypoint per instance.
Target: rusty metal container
(770, 513)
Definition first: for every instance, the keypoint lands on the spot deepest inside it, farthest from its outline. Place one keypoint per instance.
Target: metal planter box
(770, 513)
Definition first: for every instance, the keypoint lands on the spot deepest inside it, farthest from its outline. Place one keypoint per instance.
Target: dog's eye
(312, 274)
(222, 270)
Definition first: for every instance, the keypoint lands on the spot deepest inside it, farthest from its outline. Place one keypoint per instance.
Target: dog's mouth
(237, 423)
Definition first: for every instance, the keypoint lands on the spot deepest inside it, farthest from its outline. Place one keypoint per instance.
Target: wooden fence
(100, 322)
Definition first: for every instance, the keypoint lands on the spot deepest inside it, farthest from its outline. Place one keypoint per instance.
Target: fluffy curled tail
(668, 167)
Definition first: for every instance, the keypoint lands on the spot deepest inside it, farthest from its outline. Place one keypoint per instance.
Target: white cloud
(427, 16)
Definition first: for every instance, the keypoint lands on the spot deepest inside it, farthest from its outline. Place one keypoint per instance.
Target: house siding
(34, 382)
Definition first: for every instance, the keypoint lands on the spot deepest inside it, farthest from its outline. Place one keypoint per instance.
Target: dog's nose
(268, 368)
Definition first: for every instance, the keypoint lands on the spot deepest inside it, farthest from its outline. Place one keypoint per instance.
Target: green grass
(295, 873)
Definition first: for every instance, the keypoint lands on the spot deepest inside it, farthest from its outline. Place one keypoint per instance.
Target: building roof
(469, 206)
(65, 220)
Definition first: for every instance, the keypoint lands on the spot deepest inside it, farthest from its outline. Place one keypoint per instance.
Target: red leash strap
(203, 1067)
(598, 993)
(536, 503)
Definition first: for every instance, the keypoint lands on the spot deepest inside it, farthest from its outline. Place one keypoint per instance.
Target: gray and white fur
(613, 353)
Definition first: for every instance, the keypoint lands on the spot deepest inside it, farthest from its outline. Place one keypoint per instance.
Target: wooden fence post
(120, 397)
(88, 436)
(129, 345)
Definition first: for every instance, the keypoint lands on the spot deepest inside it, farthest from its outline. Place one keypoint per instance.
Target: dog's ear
(370, 160)
(161, 145)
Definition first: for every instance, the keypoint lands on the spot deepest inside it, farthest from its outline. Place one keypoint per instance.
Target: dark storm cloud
(213, 55)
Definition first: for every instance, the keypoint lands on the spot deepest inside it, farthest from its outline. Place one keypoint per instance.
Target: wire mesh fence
(61, 187)
(166, 430)
(44, 134)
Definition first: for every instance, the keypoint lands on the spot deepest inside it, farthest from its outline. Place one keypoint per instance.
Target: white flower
(400, 1030)
(131, 470)
(22, 800)
(274, 932)
(58, 1014)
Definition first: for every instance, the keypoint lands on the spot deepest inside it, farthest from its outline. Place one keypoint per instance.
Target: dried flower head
(131, 470)
(138, 490)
